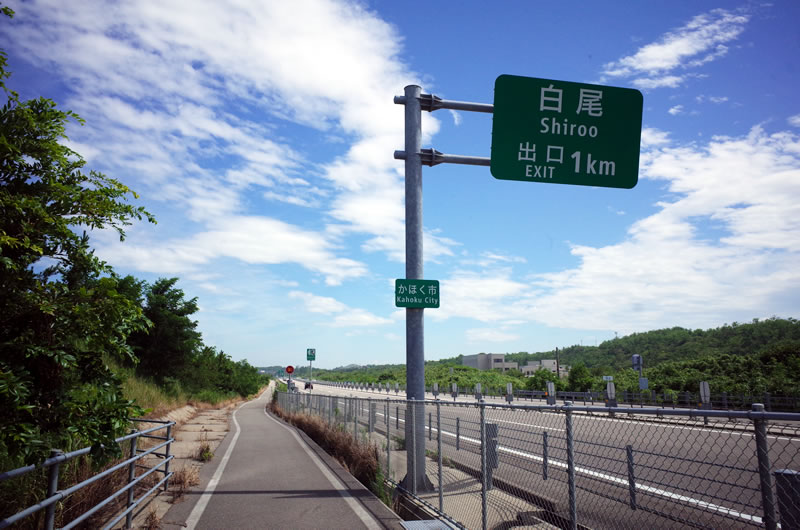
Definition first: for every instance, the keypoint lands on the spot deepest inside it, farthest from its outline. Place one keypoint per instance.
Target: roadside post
(478, 395)
(311, 355)
(509, 392)
(705, 399)
(454, 391)
(492, 456)
(611, 395)
(551, 393)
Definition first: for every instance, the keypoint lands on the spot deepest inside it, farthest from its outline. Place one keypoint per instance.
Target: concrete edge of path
(372, 504)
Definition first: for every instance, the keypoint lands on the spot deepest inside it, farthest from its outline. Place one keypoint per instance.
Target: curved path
(267, 474)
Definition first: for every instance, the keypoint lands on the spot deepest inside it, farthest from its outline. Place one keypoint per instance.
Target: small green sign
(416, 294)
(311, 354)
(566, 133)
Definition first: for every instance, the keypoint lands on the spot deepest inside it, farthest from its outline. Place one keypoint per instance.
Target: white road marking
(337, 484)
(610, 478)
(202, 502)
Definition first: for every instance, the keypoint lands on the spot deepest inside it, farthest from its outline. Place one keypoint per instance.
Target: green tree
(580, 378)
(167, 348)
(60, 312)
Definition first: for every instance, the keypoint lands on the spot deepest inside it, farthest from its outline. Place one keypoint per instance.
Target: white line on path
(200, 507)
(343, 490)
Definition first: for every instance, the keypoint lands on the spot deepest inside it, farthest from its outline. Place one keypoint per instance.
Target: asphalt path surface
(683, 472)
(267, 475)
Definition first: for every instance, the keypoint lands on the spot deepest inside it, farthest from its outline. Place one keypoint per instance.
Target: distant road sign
(311, 354)
(418, 294)
(608, 378)
(290, 369)
(565, 133)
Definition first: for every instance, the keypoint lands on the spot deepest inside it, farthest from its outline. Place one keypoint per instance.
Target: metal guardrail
(689, 400)
(585, 466)
(136, 456)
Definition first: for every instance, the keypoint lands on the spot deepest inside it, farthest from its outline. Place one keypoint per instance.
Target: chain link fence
(500, 466)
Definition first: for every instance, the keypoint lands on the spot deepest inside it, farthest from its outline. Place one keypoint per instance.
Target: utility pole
(558, 366)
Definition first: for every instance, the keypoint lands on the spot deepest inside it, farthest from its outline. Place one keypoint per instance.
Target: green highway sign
(565, 133)
(416, 294)
(311, 354)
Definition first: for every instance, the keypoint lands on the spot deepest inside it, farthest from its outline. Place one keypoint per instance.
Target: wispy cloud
(189, 102)
(794, 121)
(342, 315)
(664, 63)
(677, 109)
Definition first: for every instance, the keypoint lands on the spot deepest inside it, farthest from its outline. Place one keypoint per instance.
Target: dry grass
(204, 452)
(152, 521)
(183, 480)
(360, 459)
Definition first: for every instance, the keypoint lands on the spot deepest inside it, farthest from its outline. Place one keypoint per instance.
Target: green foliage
(61, 311)
(168, 347)
(580, 379)
(538, 380)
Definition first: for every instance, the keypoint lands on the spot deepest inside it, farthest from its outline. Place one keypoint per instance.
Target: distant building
(545, 364)
(489, 361)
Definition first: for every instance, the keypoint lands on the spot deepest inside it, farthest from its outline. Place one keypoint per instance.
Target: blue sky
(261, 136)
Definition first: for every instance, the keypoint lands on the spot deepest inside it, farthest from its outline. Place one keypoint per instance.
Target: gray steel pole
(52, 488)
(131, 477)
(484, 485)
(762, 452)
(439, 452)
(415, 331)
(573, 508)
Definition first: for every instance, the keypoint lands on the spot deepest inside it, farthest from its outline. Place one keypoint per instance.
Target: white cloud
(189, 100)
(698, 42)
(456, 117)
(794, 121)
(490, 335)
(671, 270)
(343, 315)
(677, 109)
(252, 240)
(653, 137)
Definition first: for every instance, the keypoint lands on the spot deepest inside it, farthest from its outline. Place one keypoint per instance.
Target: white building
(489, 361)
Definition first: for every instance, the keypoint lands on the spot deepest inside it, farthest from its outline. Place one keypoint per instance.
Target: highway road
(685, 474)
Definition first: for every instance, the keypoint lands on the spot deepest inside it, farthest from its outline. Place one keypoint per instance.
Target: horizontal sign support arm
(431, 102)
(432, 157)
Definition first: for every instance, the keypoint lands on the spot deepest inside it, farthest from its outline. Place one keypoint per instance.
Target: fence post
(787, 483)
(166, 457)
(370, 418)
(388, 442)
(413, 454)
(52, 488)
(762, 452)
(544, 455)
(131, 476)
(573, 510)
(458, 433)
(430, 425)
(355, 426)
(484, 507)
(439, 451)
(631, 476)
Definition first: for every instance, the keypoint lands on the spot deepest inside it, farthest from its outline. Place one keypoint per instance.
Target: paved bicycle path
(267, 474)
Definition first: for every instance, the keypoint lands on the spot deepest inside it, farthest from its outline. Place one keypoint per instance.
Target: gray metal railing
(135, 458)
(646, 398)
(496, 465)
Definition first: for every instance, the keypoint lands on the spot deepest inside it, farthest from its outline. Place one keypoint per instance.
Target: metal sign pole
(415, 331)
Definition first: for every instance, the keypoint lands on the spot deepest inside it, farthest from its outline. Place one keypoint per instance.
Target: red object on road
(289, 369)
